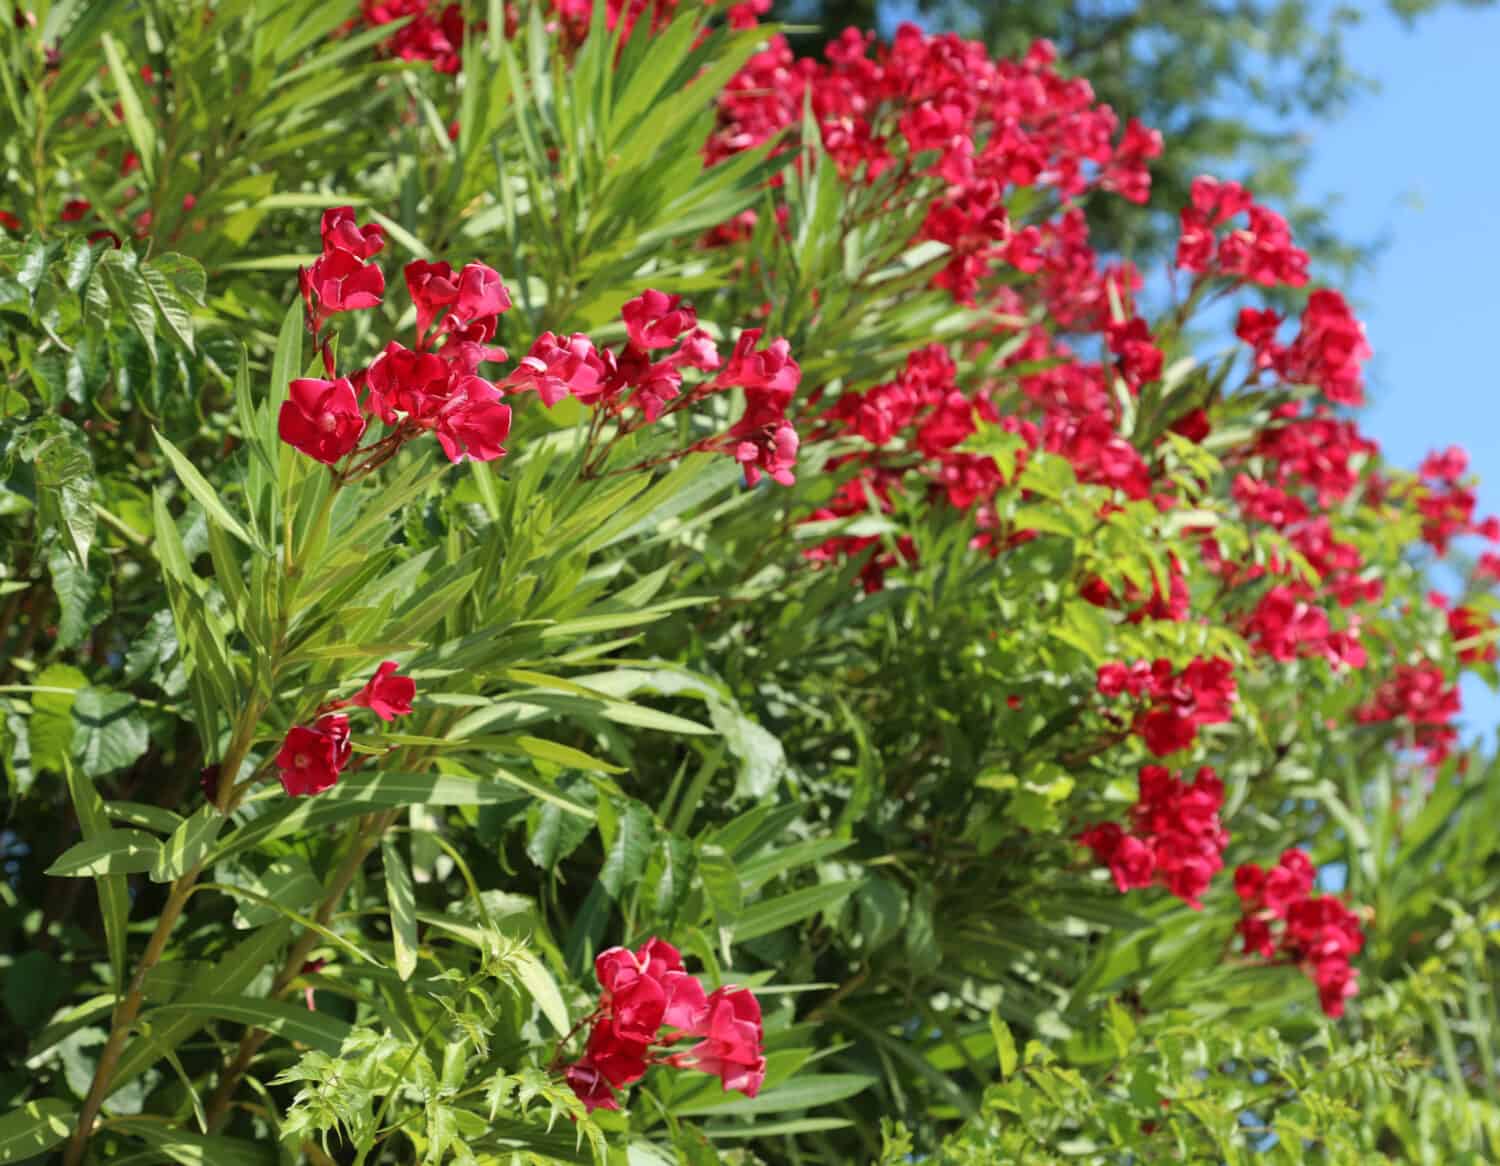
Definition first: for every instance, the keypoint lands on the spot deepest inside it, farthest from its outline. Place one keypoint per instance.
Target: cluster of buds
(312, 756)
(648, 1005)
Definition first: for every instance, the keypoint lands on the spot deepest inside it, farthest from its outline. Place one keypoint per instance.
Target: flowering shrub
(830, 567)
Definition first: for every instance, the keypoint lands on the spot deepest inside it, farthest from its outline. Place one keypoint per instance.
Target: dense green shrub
(860, 624)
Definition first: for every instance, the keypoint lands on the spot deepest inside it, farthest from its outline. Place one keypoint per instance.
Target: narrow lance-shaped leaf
(403, 905)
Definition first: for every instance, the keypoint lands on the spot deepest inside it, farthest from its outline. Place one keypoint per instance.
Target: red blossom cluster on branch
(1173, 705)
(648, 1005)
(1420, 697)
(939, 107)
(1175, 836)
(433, 30)
(312, 756)
(435, 386)
(1281, 916)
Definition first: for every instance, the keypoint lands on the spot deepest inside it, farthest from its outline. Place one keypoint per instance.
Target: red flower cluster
(1175, 703)
(637, 377)
(1473, 633)
(312, 756)
(938, 107)
(1328, 351)
(1419, 695)
(1175, 837)
(424, 390)
(436, 387)
(341, 279)
(1261, 253)
(648, 1004)
(434, 31)
(1317, 931)
(1446, 504)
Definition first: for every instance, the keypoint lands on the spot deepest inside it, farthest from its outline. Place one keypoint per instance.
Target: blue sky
(1412, 164)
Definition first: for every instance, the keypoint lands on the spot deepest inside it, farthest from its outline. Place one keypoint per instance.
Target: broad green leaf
(232, 973)
(801, 1093)
(627, 846)
(189, 1149)
(293, 1021)
(109, 732)
(138, 125)
(565, 755)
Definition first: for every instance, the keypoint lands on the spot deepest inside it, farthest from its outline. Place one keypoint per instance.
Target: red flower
(481, 295)
(342, 233)
(310, 759)
(387, 695)
(432, 288)
(321, 418)
(654, 319)
(9, 221)
(472, 422)
(591, 1086)
(732, 1048)
(341, 283)
(558, 366)
(771, 369)
(621, 1059)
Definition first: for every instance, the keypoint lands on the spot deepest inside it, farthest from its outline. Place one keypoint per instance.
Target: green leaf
(565, 755)
(189, 844)
(197, 485)
(288, 882)
(538, 981)
(773, 914)
(169, 304)
(292, 1021)
(190, 1149)
(51, 722)
(802, 1093)
(626, 847)
(109, 732)
(1005, 1045)
(64, 475)
(401, 895)
(141, 129)
(34, 1129)
(78, 597)
(114, 894)
(107, 853)
(767, 1129)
